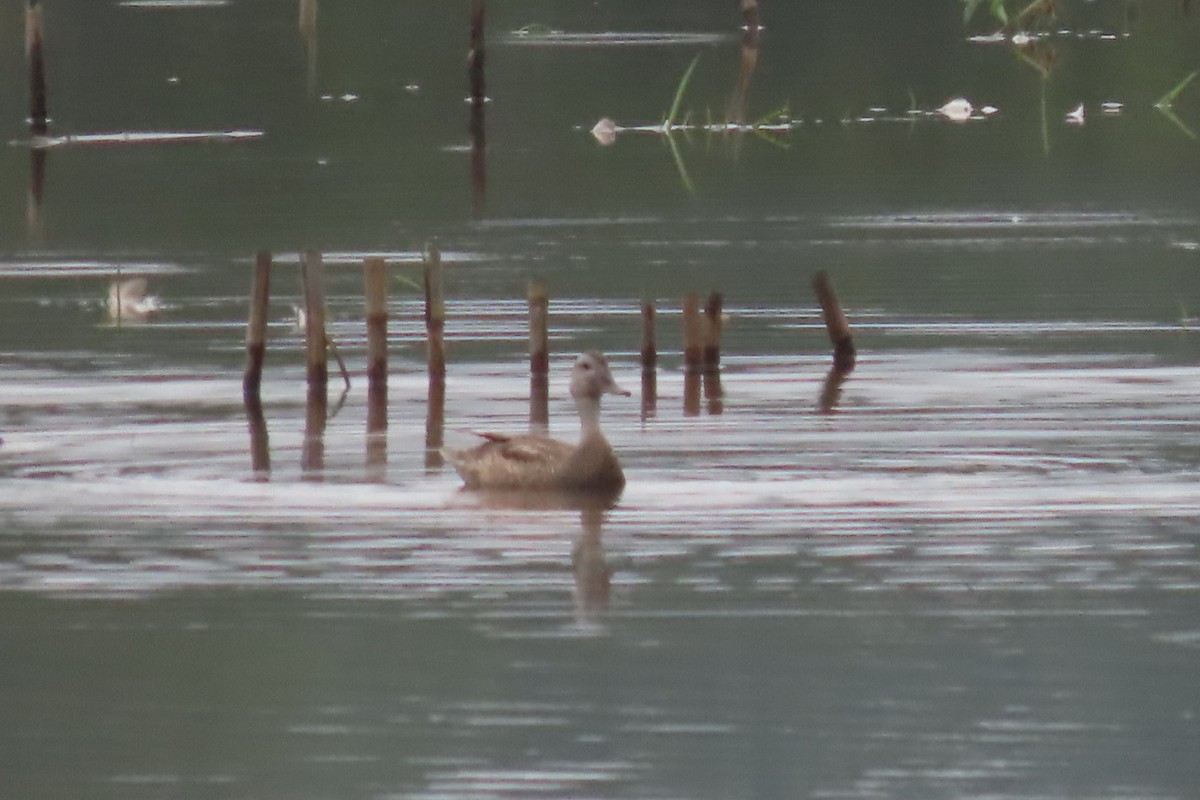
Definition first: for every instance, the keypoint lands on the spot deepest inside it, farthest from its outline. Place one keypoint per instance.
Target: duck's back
(538, 462)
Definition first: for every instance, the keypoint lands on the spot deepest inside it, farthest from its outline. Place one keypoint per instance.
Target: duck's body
(539, 462)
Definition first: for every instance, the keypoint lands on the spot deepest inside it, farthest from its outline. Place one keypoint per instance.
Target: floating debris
(552, 38)
(412, 88)
(605, 131)
(128, 301)
(988, 111)
(137, 137)
(1112, 107)
(535, 29)
(957, 110)
(1077, 116)
(175, 4)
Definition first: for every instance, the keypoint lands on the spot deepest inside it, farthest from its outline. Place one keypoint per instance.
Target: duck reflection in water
(593, 574)
(589, 559)
(530, 462)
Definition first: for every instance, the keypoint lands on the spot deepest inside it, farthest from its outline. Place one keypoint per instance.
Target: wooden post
(435, 326)
(312, 276)
(539, 355)
(375, 285)
(478, 99)
(844, 354)
(307, 24)
(750, 20)
(256, 349)
(435, 313)
(256, 327)
(476, 53)
(712, 330)
(693, 348)
(649, 361)
(37, 69)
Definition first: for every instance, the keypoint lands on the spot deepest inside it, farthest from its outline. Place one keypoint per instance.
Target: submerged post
(256, 327)
(375, 284)
(539, 354)
(844, 354)
(649, 360)
(37, 69)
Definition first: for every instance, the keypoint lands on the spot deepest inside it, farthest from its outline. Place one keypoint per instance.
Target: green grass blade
(1169, 98)
(679, 92)
(679, 165)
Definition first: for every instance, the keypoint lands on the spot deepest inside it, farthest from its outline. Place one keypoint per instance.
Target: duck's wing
(512, 461)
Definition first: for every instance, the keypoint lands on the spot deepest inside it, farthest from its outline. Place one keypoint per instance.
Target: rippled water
(973, 574)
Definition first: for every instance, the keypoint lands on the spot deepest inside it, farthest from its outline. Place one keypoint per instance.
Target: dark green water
(979, 577)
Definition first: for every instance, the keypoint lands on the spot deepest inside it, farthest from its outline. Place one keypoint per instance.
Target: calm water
(970, 570)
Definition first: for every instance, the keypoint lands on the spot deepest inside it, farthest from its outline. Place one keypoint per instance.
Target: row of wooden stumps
(701, 355)
(318, 345)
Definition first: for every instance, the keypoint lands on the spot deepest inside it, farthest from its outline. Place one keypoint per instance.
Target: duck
(532, 462)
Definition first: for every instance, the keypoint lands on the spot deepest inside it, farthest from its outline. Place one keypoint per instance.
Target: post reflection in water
(831, 389)
(37, 182)
(312, 452)
(260, 447)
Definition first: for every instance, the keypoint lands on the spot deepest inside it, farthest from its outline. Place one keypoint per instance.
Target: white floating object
(1021, 39)
(173, 80)
(326, 98)
(348, 97)
(988, 111)
(957, 110)
(412, 88)
(127, 300)
(988, 38)
(1077, 116)
(605, 131)
(1112, 107)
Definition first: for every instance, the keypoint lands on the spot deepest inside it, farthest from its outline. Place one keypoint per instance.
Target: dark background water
(979, 578)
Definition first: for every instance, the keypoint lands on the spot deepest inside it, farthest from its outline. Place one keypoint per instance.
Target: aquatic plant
(680, 90)
(1164, 105)
(996, 7)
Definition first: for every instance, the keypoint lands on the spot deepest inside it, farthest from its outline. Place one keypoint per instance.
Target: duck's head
(591, 377)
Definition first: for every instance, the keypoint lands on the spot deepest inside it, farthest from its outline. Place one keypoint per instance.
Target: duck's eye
(585, 365)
